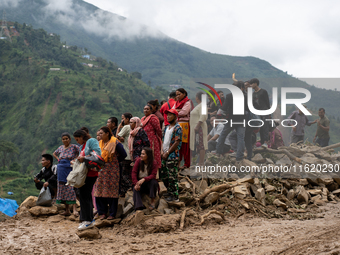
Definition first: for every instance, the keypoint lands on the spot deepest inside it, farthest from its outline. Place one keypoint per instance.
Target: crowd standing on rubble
(138, 152)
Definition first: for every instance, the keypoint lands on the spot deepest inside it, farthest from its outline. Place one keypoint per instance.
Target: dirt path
(247, 235)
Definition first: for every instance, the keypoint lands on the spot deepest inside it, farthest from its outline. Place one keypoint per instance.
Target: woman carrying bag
(87, 145)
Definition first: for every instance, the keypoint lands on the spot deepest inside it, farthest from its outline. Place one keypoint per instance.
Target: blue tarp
(8, 206)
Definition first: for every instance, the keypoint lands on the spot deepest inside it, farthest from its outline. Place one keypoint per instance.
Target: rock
(302, 195)
(257, 183)
(106, 223)
(162, 205)
(73, 217)
(333, 186)
(293, 210)
(291, 194)
(260, 195)
(320, 202)
(309, 159)
(317, 197)
(286, 184)
(247, 179)
(29, 202)
(284, 161)
(161, 224)
(325, 180)
(184, 185)
(127, 209)
(138, 217)
(241, 191)
(176, 204)
(42, 210)
(147, 200)
(244, 204)
(246, 162)
(186, 198)
(337, 180)
(56, 218)
(258, 158)
(162, 189)
(324, 194)
(278, 203)
(201, 185)
(211, 198)
(92, 233)
(168, 211)
(304, 182)
(270, 188)
(269, 161)
(121, 203)
(314, 192)
(336, 192)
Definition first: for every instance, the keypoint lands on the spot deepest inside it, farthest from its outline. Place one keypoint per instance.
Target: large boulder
(92, 233)
(42, 210)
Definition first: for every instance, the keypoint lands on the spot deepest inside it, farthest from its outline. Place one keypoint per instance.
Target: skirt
(107, 184)
(65, 194)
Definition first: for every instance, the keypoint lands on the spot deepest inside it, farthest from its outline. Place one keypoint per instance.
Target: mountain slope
(47, 89)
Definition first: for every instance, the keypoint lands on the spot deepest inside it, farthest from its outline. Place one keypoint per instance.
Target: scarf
(132, 135)
(145, 120)
(108, 149)
(180, 104)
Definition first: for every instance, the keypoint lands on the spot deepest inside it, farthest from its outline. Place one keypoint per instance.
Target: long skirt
(107, 184)
(65, 194)
(184, 152)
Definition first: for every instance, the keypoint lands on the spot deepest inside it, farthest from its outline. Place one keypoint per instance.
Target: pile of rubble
(223, 197)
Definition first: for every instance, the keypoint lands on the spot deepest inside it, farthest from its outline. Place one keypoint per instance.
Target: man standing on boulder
(172, 142)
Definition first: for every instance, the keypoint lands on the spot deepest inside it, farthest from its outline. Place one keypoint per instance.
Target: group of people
(138, 152)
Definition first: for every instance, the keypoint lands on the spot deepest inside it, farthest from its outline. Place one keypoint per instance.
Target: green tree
(7, 149)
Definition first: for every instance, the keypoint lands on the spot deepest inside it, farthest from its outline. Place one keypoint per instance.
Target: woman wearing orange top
(184, 106)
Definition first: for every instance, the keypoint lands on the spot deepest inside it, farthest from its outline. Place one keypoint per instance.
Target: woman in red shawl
(151, 125)
(184, 106)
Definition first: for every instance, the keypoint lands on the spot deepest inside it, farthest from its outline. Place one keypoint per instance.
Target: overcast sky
(300, 37)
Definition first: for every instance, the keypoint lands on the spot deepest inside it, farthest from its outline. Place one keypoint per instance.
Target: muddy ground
(246, 235)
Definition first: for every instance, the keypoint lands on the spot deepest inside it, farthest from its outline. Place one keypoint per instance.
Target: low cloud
(101, 23)
(9, 3)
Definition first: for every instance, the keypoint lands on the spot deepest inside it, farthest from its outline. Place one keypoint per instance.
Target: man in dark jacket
(47, 173)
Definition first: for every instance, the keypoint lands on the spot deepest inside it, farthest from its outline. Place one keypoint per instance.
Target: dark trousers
(149, 188)
(323, 142)
(169, 176)
(249, 142)
(40, 185)
(105, 204)
(264, 130)
(85, 199)
(125, 177)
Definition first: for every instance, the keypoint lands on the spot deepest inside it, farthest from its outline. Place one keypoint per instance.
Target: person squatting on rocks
(47, 173)
(172, 141)
(65, 154)
(144, 179)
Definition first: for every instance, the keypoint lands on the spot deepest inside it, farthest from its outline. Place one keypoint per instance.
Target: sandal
(76, 213)
(102, 217)
(151, 207)
(110, 218)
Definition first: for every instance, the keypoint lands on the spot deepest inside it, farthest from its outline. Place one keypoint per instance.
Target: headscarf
(109, 149)
(133, 133)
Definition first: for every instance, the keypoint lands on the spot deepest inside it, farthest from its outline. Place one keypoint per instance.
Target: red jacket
(136, 168)
(165, 107)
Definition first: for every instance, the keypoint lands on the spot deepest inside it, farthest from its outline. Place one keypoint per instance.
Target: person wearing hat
(298, 131)
(47, 173)
(172, 142)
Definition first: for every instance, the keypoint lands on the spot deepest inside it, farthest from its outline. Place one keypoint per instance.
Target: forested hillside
(160, 59)
(38, 103)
